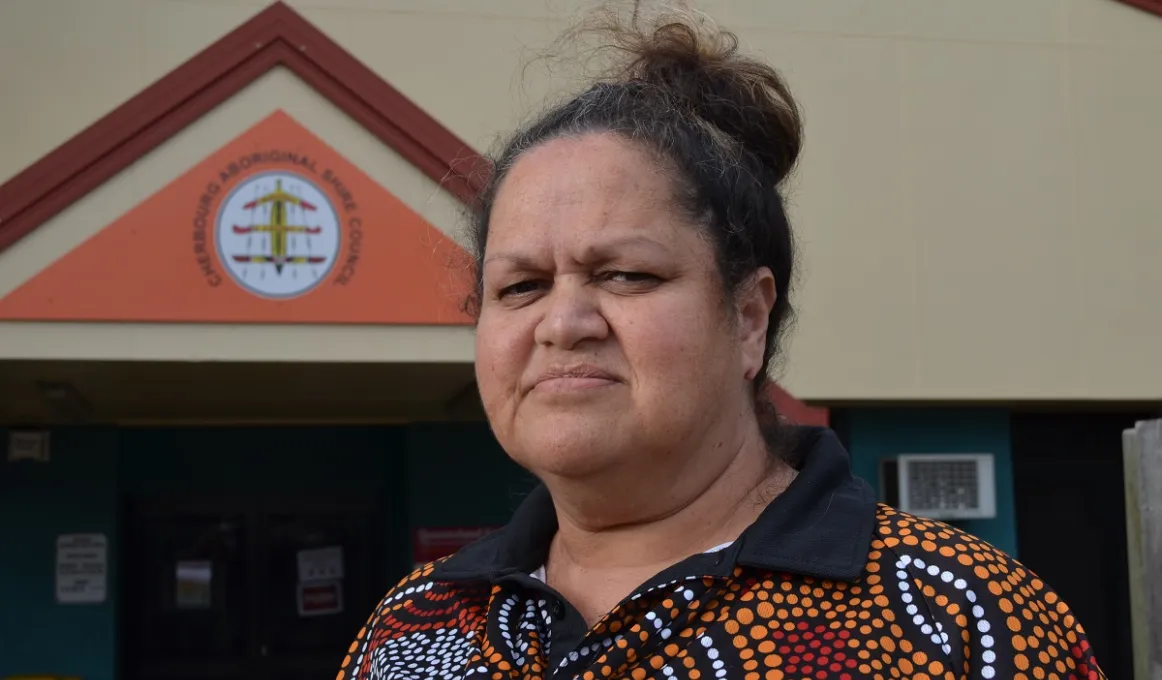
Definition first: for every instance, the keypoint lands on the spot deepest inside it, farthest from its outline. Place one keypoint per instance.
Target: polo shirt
(826, 583)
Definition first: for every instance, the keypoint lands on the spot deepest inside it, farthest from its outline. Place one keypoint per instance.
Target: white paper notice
(82, 568)
(321, 564)
(194, 581)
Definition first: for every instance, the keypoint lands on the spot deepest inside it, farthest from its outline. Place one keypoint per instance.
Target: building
(188, 437)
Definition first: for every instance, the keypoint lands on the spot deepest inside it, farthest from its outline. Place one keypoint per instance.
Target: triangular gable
(277, 36)
(273, 227)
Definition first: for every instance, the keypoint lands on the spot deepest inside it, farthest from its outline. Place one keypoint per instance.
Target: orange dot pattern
(932, 602)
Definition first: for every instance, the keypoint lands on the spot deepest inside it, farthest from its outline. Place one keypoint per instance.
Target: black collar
(821, 526)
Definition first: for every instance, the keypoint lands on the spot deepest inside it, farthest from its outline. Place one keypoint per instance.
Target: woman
(634, 268)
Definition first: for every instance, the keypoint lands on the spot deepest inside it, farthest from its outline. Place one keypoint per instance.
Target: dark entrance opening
(1071, 520)
(254, 587)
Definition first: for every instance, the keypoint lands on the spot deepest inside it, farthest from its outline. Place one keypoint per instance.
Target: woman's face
(604, 339)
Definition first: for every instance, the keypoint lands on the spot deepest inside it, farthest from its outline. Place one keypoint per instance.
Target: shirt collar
(820, 526)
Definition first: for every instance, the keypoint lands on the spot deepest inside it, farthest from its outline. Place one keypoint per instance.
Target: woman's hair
(725, 127)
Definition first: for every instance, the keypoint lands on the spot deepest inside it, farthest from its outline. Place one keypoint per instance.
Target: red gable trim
(277, 36)
(1151, 6)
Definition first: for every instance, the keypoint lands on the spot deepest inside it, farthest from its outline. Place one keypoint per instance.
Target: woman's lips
(567, 384)
(576, 378)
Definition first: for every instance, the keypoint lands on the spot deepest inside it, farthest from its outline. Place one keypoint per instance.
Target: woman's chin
(572, 452)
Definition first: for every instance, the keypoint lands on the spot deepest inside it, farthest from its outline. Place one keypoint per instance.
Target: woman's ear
(755, 301)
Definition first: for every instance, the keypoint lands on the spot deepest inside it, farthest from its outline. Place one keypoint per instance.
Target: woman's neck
(609, 542)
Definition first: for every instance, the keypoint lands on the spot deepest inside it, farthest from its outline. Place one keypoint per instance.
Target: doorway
(1071, 521)
(247, 587)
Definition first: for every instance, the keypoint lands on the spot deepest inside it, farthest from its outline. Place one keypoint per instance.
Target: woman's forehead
(592, 192)
(586, 174)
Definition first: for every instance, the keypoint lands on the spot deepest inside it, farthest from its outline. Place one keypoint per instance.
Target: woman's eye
(520, 288)
(630, 277)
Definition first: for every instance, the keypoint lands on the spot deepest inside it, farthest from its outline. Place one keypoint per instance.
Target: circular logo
(277, 235)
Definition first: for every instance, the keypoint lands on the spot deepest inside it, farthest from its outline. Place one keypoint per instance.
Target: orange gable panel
(275, 226)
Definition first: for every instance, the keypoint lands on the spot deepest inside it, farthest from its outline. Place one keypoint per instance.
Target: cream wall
(978, 202)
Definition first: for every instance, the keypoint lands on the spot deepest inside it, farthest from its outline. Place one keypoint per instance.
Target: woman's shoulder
(902, 533)
(419, 617)
(951, 555)
(420, 593)
(952, 584)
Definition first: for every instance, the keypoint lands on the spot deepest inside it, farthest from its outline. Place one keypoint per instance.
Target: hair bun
(688, 56)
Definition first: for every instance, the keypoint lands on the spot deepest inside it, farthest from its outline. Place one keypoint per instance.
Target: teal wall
(74, 493)
(874, 433)
(445, 474)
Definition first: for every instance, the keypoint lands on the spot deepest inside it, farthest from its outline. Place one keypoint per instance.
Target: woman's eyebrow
(517, 260)
(600, 251)
(610, 249)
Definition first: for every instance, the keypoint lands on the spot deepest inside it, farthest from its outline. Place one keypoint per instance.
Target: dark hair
(724, 124)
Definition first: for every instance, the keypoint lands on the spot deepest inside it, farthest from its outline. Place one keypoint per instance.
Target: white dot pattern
(439, 654)
(934, 629)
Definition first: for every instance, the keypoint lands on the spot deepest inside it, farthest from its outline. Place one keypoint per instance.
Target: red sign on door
(320, 598)
(431, 544)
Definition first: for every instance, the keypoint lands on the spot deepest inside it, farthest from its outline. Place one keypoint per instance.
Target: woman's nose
(572, 316)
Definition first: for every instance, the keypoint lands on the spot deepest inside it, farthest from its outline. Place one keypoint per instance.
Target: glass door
(255, 588)
(187, 591)
(317, 583)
